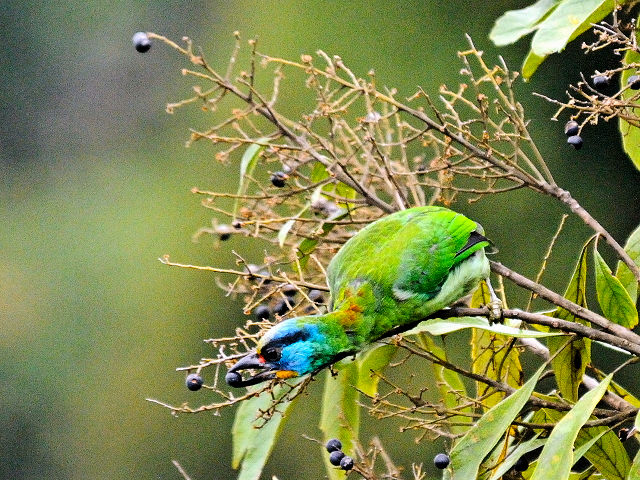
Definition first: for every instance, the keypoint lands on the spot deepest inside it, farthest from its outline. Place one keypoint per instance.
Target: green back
(408, 253)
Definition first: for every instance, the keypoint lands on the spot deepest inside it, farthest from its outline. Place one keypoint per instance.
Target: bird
(395, 271)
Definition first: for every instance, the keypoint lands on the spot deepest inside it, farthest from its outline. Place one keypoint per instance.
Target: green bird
(396, 271)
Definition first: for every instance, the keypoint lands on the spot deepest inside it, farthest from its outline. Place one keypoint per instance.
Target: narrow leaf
(517, 453)
(340, 417)
(373, 362)
(569, 365)
(630, 133)
(600, 445)
(470, 450)
(308, 245)
(614, 300)
(440, 326)
(632, 247)
(284, 230)
(556, 458)
(634, 472)
(252, 445)
(247, 165)
(515, 24)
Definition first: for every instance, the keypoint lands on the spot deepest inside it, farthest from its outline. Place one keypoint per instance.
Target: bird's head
(292, 348)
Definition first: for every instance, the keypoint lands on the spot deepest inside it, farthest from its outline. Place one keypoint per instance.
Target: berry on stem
(262, 312)
(335, 457)
(233, 379)
(600, 81)
(571, 128)
(141, 42)
(194, 382)
(441, 461)
(279, 179)
(575, 141)
(333, 445)
(346, 463)
(634, 82)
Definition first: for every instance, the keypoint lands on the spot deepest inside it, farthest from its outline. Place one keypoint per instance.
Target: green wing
(406, 254)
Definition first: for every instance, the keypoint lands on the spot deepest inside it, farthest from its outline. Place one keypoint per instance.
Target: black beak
(251, 361)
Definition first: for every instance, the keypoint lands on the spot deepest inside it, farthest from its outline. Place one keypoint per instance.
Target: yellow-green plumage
(395, 271)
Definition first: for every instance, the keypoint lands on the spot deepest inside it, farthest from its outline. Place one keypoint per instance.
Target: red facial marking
(261, 359)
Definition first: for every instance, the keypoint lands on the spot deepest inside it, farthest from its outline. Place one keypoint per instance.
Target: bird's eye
(272, 354)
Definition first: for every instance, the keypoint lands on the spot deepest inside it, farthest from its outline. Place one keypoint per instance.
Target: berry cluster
(283, 305)
(337, 456)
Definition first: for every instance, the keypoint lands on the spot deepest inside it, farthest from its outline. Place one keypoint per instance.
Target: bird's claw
(495, 310)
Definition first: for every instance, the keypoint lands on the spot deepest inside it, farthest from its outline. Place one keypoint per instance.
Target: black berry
(335, 457)
(600, 81)
(333, 445)
(233, 379)
(281, 307)
(194, 382)
(634, 82)
(521, 465)
(441, 461)
(576, 141)
(141, 42)
(315, 296)
(346, 463)
(279, 179)
(237, 224)
(289, 290)
(224, 232)
(571, 128)
(262, 312)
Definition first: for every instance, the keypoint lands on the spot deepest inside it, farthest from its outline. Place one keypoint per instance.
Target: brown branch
(630, 340)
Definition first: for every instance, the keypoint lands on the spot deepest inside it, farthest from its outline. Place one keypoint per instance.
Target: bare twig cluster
(310, 180)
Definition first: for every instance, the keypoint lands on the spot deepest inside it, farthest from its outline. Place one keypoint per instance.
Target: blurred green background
(94, 187)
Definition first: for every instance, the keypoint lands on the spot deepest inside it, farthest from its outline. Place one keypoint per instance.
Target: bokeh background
(94, 187)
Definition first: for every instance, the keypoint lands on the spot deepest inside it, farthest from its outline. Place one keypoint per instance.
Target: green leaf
(340, 417)
(468, 452)
(449, 384)
(440, 326)
(284, 230)
(373, 362)
(603, 448)
(308, 245)
(607, 453)
(247, 166)
(634, 472)
(614, 300)
(630, 133)
(556, 458)
(515, 454)
(566, 22)
(515, 24)
(531, 64)
(252, 445)
(632, 247)
(570, 364)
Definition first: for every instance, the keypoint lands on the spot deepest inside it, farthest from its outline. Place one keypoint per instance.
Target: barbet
(394, 272)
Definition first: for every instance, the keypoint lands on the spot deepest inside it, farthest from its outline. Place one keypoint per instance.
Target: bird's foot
(494, 306)
(495, 311)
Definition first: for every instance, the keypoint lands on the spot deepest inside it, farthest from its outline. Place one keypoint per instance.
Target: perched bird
(395, 271)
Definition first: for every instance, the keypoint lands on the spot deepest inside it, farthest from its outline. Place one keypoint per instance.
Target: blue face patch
(301, 344)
